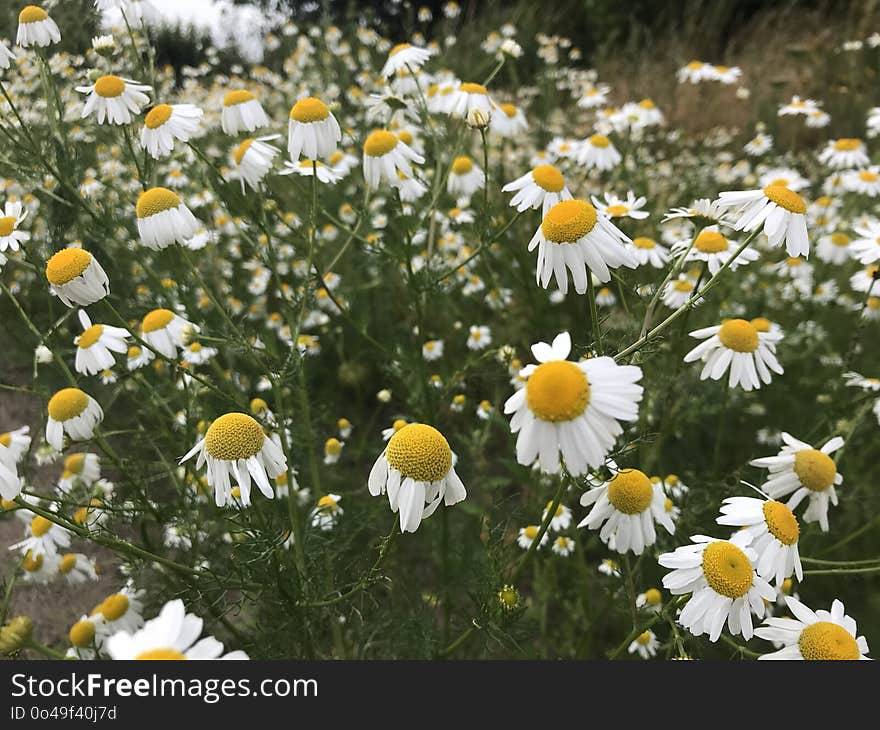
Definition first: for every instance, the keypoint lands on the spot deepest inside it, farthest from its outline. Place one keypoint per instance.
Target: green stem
(594, 314)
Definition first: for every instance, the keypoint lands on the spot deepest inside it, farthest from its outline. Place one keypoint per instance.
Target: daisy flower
(479, 337)
(774, 531)
(13, 446)
(95, 344)
(759, 144)
(312, 130)
(797, 106)
(802, 471)
(242, 112)
(814, 635)
(695, 72)
(739, 346)
(308, 168)
(76, 277)
(332, 450)
(10, 235)
(432, 350)
(651, 600)
(615, 207)
(573, 237)
(542, 187)
(648, 251)
(715, 249)
(83, 468)
(867, 280)
(82, 636)
(594, 96)
(721, 577)
(73, 412)
(528, 535)
(405, 57)
(42, 536)
(162, 219)
(137, 357)
(416, 470)
(645, 644)
(866, 248)
(113, 99)
(36, 28)
(865, 182)
(571, 408)
(837, 248)
(327, 512)
(253, 160)
(465, 177)
(165, 331)
(384, 156)
(41, 569)
(77, 568)
(508, 120)
(561, 518)
(678, 292)
(597, 151)
(468, 97)
(6, 55)
(784, 177)
(626, 508)
(844, 153)
(235, 446)
(165, 123)
(609, 567)
(779, 210)
(563, 546)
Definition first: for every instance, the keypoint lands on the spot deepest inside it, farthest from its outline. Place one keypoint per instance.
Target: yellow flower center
(90, 336)
(258, 405)
(642, 242)
(647, 104)
(644, 638)
(868, 176)
(161, 655)
(531, 532)
(785, 198)
(156, 320)
(787, 585)
(158, 115)
(379, 143)
(32, 14)
(234, 436)
(327, 504)
(630, 491)
(67, 403)
(5, 439)
(559, 509)
(668, 505)
(600, 140)
(134, 352)
(762, 324)
(549, 178)
(74, 463)
(40, 526)
(826, 641)
(469, 88)
(558, 391)
(874, 303)
(727, 569)
(68, 563)
(695, 65)
(82, 634)
(462, 165)
(568, 221)
(333, 447)
(847, 144)
(109, 87)
(509, 110)
(711, 242)
(781, 522)
(420, 452)
(405, 136)
(309, 110)
(815, 470)
(739, 335)
(7, 225)
(616, 210)
(239, 96)
(66, 264)
(398, 48)
(241, 150)
(156, 200)
(114, 607)
(683, 285)
(653, 597)
(32, 563)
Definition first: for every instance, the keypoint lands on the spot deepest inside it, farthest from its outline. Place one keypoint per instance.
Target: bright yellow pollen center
(558, 391)
(824, 641)
(647, 104)
(840, 239)
(711, 242)
(114, 607)
(847, 144)
(420, 452)
(333, 447)
(66, 264)
(32, 14)
(653, 597)
(7, 225)
(32, 563)
(74, 463)
(762, 324)
(398, 48)
(509, 110)
(156, 200)
(234, 436)
(785, 198)
(642, 242)
(90, 336)
(531, 532)
(568, 221)
(5, 439)
(559, 509)
(683, 285)
(40, 526)
(462, 165)
(309, 110)
(68, 563)
(868, 176)
(781, 522)
(630, 491)
(239, 96)
(815, 470)
(616, 210)
(241, 150)
(66, 404)
(327, 503)
(727, 569)
(469, 88)
(405, 136)
(82, 634)
(158, 115)
(549, 178)
(644, 638)
(109, 87)
(739, 335)
(695, 65)
(599, 140)
(161, 655)
(379, 143)
(156, 320)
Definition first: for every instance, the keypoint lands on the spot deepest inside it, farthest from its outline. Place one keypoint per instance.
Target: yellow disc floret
(66, 264)
(7, 225)
(420, 452)
(847, 144)
(156, 320)
(379, 143)
(727, 569)
(308, 110)
(82, 634)
(40, 526)
(469, 88)
(781, 522)
(67, 403)
(840, 239)
(239, 96)
(32, 563)
(762, 324)
(558, 391)
(32, 14)
(824, 641)
(642, 242)
(599, 140)
(68, 563)
(785, 198)
(815, 469)
(156, 200)
(398, 48)
(568, 221)
(711, 242)
(462, 165)
(90, 336)
(114, 607)
(241, 150)
(630, 491)
(109, 87)
(161, 655)
(157, 116)
(739, 335)
(234, 436)
(653, 597)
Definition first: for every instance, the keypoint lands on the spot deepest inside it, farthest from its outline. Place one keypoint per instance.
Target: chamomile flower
(715, 249)
(778, 209)
(465, 177)
(651, 600)
(165, 331)
(405, 57)
(738, 346)
(333, 450)
(864, 182)
(837, 248)
(479, 337)
(10, 481)
(77, 568)
(626, 508)
(814, 635)
(561, 517)
(242, 112)
(95, 345)
(163, 219)
(804, 472)
(312, 130)
(173, 634)
(759, 144)
(844, 153)
(73, 412)
(14, 445)
(609, 567)
(528, 535)
(774, 531)
(326, 512)
(542, 187)
(308, 168)
(113, 100)
(867, 280)
(678, 292)
(253, 160)
(416, 470)
(11, 236)
(721, 577)
(593, 97)
(563, 546)
(7, 57)
(615, 207)
(40, 568)
(571, 408)
(122, 611)
(76, 277)
(42, 536)
(467, 97)
(384, 156)
(166, 123)
(645, 644)
(597, 151)
(82, 468)
(648, 251)
(508, 120)
(36, 28)
(137, 357)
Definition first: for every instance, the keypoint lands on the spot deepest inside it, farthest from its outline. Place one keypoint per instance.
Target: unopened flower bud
(478, 118)
(15, 634)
